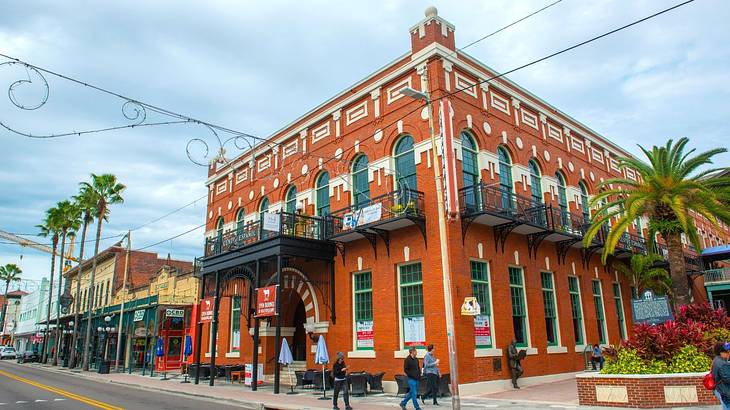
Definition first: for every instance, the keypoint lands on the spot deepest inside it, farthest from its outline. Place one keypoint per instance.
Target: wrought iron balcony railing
(379, 210)
(716, 275)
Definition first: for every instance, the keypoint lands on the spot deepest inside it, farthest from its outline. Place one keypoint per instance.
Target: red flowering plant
(663, 341)
(705, 314)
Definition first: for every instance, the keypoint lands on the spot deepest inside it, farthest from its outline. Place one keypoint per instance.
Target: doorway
(299, 340)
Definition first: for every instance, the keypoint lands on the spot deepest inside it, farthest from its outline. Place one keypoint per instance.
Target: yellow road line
(82, 399)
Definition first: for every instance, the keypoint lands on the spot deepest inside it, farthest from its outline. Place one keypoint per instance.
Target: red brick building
(365, 270)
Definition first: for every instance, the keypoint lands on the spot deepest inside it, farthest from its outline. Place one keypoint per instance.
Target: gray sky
(256, 66)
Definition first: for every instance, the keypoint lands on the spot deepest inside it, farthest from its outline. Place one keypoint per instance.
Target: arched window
(469, 164)
(219, 234)
(263, 208)
(323, 194)
(239, 221)
(505, 177)
(535, 182)
(584, 201)
(562, 195)
(291, 200)
(405, 164)
(360, 182)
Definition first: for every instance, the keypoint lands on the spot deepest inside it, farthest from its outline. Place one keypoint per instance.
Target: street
(26, 387)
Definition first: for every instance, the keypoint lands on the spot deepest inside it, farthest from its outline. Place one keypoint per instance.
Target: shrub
(718, 335)
(662, 342)
(627, 361)
(689, 359)
(705, 314)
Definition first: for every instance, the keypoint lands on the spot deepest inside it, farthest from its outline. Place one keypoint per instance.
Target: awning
(716, 250)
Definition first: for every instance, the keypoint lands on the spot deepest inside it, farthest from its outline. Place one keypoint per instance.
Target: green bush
(717, 335)
(627, 361)
(689, 360)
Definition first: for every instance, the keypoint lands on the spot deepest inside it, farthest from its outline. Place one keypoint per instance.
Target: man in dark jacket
(413, 371)
(339, 370)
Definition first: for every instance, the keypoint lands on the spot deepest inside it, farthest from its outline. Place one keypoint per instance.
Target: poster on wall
(482, 333)
(271, 222)
(248, 374)
(414, 331)
(206, 310)
(365, 337)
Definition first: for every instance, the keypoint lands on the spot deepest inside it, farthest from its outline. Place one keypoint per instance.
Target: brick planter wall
(643, 391)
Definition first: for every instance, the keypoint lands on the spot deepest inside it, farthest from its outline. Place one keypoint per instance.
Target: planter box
(644, 391)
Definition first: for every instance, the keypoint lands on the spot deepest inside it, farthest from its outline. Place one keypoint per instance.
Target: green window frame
(360, 182)
(239, 221)
(519, 305)
(584, 205)
(480, 290)
(562, 193)
(323, 194)
(618, 300)
(291, 200)
(600, 316)
(634, 293)
(549, 306)
(263, 208)
(535, 182)
(235, 338)
(363, 299)
(576, 309)
(411, 292)
(405, 164)
(469, 163)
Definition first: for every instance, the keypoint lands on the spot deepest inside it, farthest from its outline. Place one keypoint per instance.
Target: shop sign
(266, 301)
(363, 216)
(414, 331)
(139, 315)
(36, 339)
(651, 309)
(140, 332)
(365, 337)
(174, 312)
(248, 374)
(271, 222)
(482, 332)
(206, 310)
(470, 307)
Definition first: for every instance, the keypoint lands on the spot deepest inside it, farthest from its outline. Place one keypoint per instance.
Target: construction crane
(37, 246)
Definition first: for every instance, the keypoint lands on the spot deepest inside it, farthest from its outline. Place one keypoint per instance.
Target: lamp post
(445, 266)
(66, 349)
(121, 310)
(105, 331)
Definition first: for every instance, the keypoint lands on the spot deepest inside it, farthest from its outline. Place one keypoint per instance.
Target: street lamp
(66, 349)
(105, 331)
(445, 266)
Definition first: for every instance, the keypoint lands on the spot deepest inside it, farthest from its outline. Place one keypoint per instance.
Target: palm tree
(668, 188)
(107, 191)
(644, 273)
(8, 273)
(68, 223)
(50, 227)
(86, 202)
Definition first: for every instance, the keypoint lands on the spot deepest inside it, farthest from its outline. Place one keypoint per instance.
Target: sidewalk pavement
(555, 395)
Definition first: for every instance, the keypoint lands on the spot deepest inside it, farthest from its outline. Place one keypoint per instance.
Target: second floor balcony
(716, 276)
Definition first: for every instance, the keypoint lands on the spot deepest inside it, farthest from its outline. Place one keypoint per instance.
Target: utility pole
(443, 238)
(121, 310)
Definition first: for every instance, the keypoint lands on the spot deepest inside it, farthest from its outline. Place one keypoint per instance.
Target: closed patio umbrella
(322, 357)
(285, 358)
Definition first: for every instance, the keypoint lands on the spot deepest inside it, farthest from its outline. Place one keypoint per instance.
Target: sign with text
(651, 309)
(206, 310)
(174, 312)
(482, 333)
(414, 331)
(266, 301)
(248, 374)
(365, 338)
(271, 222)
(139, 315)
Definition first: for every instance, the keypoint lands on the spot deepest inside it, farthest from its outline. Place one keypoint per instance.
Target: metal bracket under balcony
(563, 247)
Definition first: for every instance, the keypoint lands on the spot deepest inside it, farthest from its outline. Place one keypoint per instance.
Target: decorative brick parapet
(644, 391)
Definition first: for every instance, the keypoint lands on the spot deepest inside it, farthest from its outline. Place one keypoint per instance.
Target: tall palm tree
(8, 273)
(668, 188)
(86, 201)
(50, 227)
(68, 223)
(107, 191)
(644, 273)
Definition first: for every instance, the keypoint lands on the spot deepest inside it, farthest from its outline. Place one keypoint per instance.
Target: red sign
(266, 301)
(206, 310)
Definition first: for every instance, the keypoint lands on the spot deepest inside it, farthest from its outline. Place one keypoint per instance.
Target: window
(577, 310)
(323, 194)
(639, 229)
(363, 300)
(411, 304)
(405, 164)
(291, 200)
(360, 182)
(505, 177)
(600, 317)
(551, 315)
(219, 234)
(469, 171)
(584, 201)
(239, 221)
(535, 182)
(480, 290)
(562, 195)
(108, 292)
(619, 310)
(263, 208)
(235, 324)
(519, 306)
(634, 293)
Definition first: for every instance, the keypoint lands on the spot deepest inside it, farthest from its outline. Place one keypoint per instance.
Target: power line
(170, 238)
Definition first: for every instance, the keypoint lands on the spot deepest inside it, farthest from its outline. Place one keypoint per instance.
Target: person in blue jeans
(412, 370)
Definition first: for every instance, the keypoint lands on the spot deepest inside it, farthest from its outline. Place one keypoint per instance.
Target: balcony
(378, 217)
(715, 276)
(629, 244)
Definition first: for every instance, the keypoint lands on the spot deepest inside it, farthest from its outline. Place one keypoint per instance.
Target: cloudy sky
(255, 66)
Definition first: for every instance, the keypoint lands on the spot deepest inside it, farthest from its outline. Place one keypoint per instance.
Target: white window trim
(529, 348)
(559, 346)
(230, 331)
(355, 352)
(582, 313)
(491, 307)
(402, 353)
(603, 303)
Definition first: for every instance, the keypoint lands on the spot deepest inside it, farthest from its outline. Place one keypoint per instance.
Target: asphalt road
(25, 387)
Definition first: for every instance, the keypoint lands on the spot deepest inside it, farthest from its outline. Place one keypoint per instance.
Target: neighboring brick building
(520, 172)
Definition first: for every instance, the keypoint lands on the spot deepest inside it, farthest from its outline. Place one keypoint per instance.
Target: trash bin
(104, 366)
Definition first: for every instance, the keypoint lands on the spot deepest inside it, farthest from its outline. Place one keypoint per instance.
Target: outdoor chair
(402, 382)
(444, 382)
(422, 386)
(358, 384)
(376, 382)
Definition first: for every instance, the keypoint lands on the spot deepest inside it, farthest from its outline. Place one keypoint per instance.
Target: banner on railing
(266, 301)
(362, 216)
(448, 163)
(271, 222)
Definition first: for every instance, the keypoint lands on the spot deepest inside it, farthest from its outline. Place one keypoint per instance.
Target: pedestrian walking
(431, 371)
(597, 357)
(513, 358)
(722, 386)
(413, 372)
(339, 370)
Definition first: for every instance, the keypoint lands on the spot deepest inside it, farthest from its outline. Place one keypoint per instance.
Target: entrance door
(299, 340)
